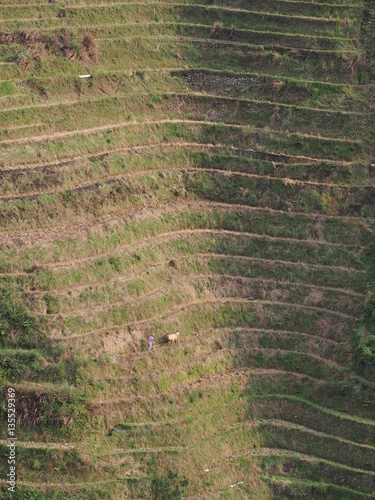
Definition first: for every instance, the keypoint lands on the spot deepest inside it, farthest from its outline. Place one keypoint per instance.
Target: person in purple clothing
(150, 342)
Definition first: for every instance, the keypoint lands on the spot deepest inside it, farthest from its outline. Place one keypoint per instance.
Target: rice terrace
(187, 251)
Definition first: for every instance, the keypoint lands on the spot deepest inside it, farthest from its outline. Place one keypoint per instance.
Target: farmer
(150, 342)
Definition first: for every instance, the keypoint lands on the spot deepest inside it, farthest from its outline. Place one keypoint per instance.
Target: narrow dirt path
(169, 235)
(185, 306)
(46, 236)
(165, 146)
(184, 169)
(129, 300)
(198, 255)
(281, 452)
(134, 123)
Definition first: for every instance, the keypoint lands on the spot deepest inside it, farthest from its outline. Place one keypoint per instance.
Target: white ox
(173, 337)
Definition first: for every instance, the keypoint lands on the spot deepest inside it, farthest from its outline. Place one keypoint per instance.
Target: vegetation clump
(169, 486)
(17, 326)
(209, 171)
(365, 335)
(38, 46)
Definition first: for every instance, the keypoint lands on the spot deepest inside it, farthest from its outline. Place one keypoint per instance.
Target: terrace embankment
(206, 167)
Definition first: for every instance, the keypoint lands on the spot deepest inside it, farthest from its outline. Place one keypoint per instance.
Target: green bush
(370, 308)
(7, 88)
(168, 487)
(365, 348)
(18, 328)
(23, 493)
(363, 77)
(52, 303)
(365, 335)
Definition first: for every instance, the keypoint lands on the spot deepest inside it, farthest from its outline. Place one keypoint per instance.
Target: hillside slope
(206, 167)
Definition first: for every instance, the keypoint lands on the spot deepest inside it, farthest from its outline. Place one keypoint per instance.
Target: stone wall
(207, 79)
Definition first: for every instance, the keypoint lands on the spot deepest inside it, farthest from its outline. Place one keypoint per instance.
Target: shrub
(370, 308)
(115, 263)
(18, 328)
(216, 29)
(364, 338)
(7, 88)
(38, 46)
(52, 304)
(69, 196)
(363, 77)
(365, 348)
(168, 487)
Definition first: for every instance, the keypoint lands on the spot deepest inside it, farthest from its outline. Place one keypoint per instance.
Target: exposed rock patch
(205, 79)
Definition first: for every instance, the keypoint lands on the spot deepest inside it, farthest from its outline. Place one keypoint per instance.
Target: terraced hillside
(213, 173)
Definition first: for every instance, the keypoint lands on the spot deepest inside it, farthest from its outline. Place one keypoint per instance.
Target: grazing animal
(173, 337)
